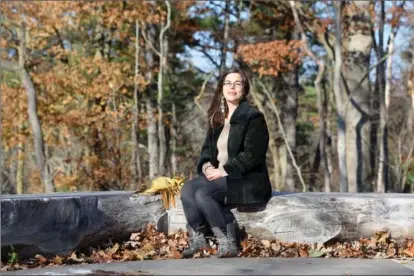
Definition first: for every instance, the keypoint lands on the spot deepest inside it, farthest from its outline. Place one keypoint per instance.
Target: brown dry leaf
(136, 255)
(113, 250)
(372, 243)
(126, 255)
(164, 250)
(276, 247)
(75, 259)
(134, 237)
(5, 267)
(382, 236)
(266, 243)
(172, 242)
(197, 255)
(303, 251)
(409, 251)
(148, 247)
(182, 241)
(57, 260)
(177, 255)
(244, 244)
(40, 259)
(391, 251)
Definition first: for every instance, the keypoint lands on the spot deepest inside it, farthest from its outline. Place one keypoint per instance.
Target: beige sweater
(222, 149)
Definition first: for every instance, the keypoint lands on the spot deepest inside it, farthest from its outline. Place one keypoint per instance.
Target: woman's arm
(255, 148)
(205, 155)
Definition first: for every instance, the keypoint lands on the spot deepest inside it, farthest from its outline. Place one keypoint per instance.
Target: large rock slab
(319, 217)
(61, 222)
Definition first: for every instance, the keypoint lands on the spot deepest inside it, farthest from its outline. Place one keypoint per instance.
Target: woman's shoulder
(254, 112)
(246, 112)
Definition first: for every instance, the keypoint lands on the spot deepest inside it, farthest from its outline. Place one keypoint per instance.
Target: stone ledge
(62, 222)
(319, 217)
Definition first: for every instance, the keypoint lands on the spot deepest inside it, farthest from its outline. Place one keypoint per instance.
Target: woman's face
(233, 88)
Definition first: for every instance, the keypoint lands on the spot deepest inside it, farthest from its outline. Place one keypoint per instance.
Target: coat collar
(241, 113)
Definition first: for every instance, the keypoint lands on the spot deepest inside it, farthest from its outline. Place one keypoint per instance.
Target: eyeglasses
(237, 84)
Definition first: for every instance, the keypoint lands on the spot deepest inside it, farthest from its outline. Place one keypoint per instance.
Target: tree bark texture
(357, 44)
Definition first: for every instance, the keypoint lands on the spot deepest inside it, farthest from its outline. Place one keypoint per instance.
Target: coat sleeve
(205, 155)
(255, 147)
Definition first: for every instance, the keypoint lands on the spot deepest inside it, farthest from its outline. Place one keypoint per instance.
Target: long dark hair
(215, 116)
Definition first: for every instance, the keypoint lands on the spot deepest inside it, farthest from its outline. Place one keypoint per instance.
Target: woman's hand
(213, 174)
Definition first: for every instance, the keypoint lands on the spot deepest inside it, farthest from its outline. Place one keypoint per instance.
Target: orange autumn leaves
(150, 244)
(272, 58)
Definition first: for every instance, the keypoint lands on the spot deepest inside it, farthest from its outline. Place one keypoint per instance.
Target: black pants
(203, 202)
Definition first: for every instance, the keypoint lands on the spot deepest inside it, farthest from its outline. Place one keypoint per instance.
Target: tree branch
(203, 87)
(304, 187)
(149, 42)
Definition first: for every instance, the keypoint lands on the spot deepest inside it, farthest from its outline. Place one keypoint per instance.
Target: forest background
(107, 95)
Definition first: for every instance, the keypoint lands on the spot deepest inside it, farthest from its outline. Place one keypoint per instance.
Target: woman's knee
(200, 196)
(186, 190)
(189, 189)
(206, 194)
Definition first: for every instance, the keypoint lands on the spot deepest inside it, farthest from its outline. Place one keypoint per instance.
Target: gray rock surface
(319, 217)
(61, 222)
(233, 266)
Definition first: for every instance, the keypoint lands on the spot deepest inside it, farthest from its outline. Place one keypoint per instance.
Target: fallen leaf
(134, 236)
(276, 247)
(382, 236)
(57, 260)
(40, 259)
(315, 253)
(177, 255)
(266, 243)
(148, 247)
(409, 251)
(75, 259)
(113, 250)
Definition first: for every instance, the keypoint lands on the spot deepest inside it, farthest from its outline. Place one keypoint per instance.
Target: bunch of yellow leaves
(168, 188)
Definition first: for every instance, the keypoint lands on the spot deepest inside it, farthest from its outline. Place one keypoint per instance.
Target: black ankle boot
(197, 241)
(227, 240)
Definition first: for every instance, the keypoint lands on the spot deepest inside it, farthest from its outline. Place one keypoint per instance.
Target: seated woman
(232, 167)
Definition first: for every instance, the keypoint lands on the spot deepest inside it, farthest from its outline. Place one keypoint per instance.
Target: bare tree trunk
(225, 37)
(322, 131)
(136, 158)
(161, 132)
(163, 41)
(289, 117)
(174, 166)
(383, 168)
(328, 120)
(151, 118)
(358, 45)
(339, 98)
(33, 118)
(318, 88)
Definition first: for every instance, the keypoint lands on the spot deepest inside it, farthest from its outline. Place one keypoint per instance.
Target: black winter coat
(248, 182)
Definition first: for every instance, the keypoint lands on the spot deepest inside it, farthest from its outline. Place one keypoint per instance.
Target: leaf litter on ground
(149, 244)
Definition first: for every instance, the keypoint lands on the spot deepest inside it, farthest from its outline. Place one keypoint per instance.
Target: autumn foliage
(272, 58)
